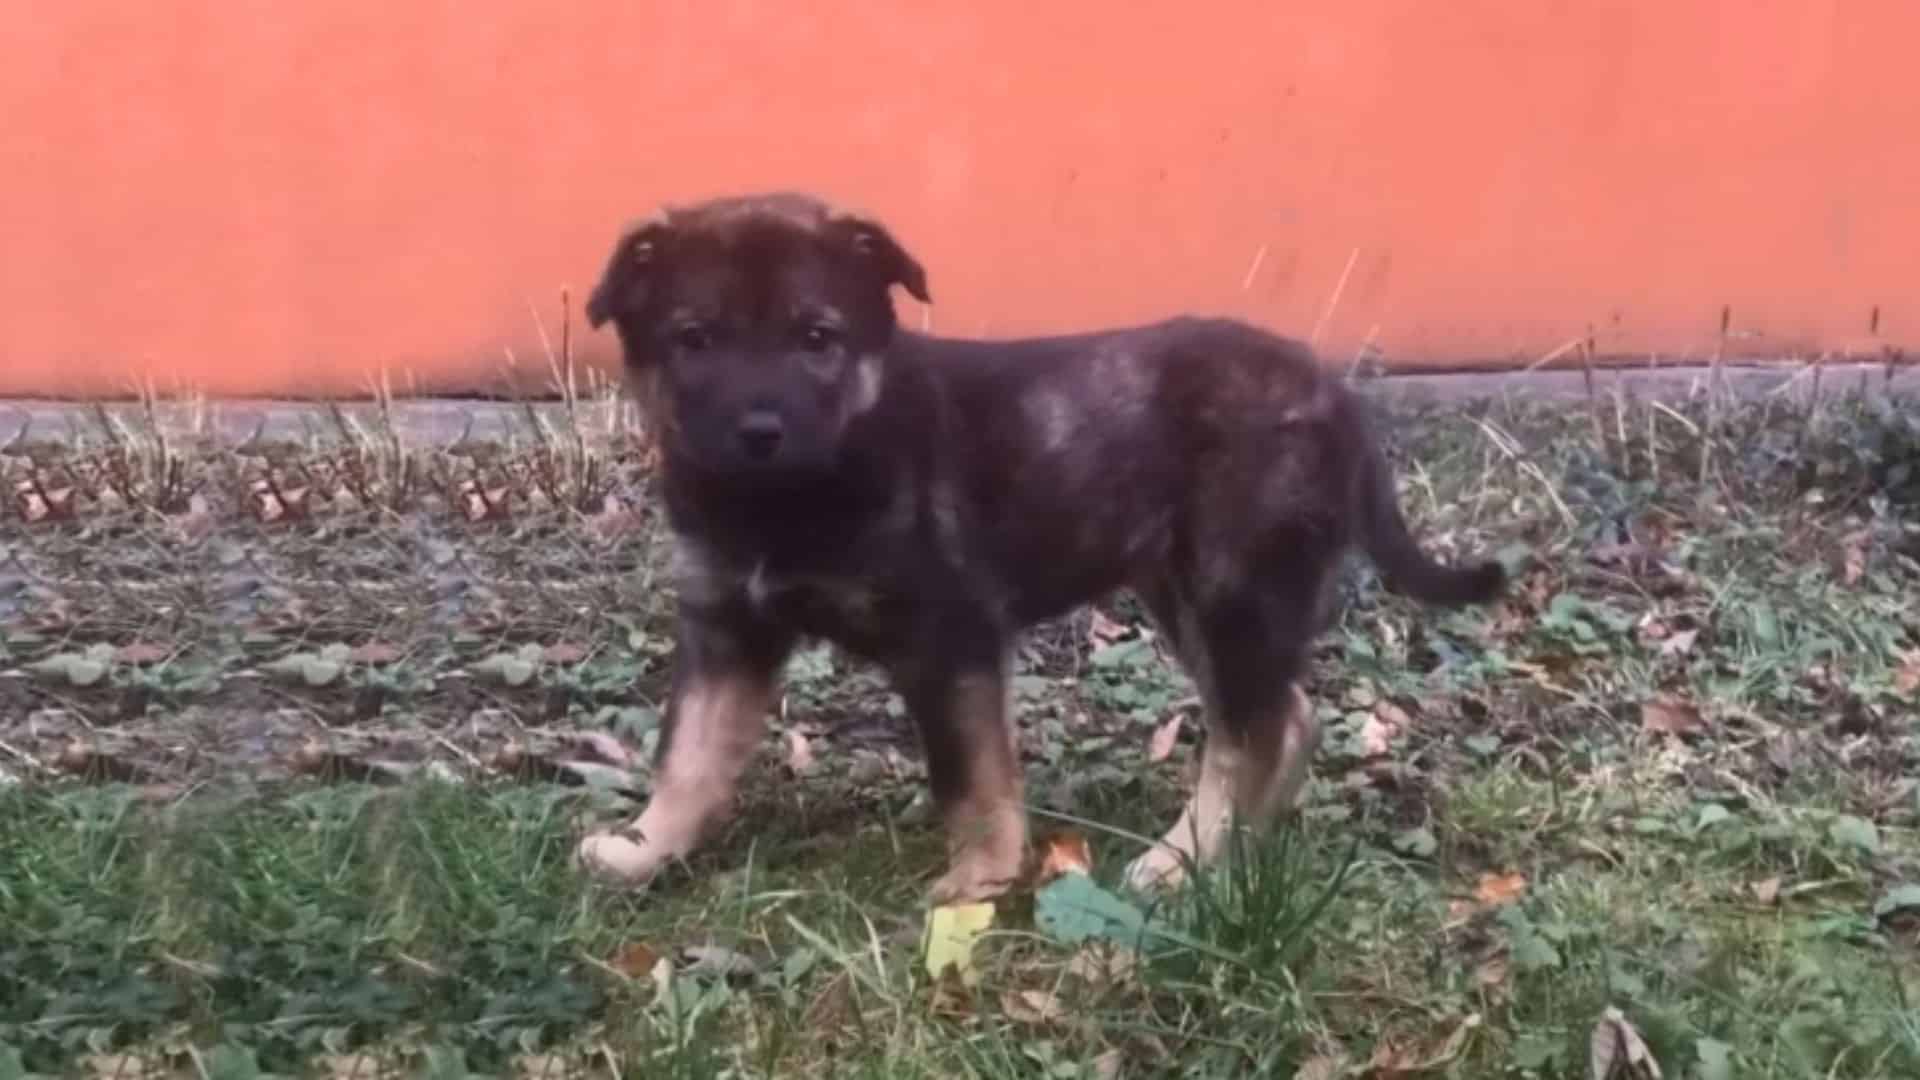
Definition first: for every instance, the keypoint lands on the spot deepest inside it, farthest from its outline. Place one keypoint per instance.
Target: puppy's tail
(1405, 567)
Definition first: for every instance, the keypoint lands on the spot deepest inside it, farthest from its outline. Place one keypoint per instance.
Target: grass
(296, 739)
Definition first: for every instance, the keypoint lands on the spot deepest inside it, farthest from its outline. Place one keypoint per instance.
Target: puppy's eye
(692, 338)
(817, 338)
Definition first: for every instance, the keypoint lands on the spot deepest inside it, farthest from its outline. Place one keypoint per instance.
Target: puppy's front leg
(966, 726)
(725, 676)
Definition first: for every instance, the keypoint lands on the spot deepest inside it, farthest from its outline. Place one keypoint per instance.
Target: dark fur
(966, 490)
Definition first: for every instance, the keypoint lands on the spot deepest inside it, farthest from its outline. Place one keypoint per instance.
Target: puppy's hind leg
(1261, 730)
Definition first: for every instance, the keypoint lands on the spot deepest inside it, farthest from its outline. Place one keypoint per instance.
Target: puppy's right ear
(629, 271)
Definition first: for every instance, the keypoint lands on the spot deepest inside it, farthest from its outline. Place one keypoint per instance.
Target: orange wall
(266, 196)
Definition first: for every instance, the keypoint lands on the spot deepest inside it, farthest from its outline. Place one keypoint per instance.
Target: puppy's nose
(760, 432)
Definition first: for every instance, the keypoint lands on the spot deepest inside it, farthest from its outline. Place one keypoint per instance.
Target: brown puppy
(919, 501)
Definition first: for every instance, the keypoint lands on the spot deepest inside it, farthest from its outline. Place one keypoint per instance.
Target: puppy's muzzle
(760, 433)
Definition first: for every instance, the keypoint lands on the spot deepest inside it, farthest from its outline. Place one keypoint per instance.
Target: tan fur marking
(1258, 781)
(717, 725)
(1196, 836)
(987, 826)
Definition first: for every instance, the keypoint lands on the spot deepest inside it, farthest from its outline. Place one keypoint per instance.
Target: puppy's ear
(636, 258)
(871, 242)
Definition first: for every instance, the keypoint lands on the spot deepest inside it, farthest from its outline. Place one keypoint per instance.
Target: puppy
(920, 501)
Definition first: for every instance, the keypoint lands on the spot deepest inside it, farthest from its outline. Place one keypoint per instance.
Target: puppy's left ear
(871, 242)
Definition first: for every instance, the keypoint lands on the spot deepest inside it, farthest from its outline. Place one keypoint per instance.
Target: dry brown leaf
(1679, 644)
(1102, 630)
(1101, 964)
(1616, 1051)
(1853, 559)
(799, 753)
(563, 653)
(635, 960)
(1376, 736)
(1391, 1062)
(1164, 738)
(1063, 851)
(951, 996)
(1107, 1066)
(604, 746)
(1767, 891)
(541, 1067)
(348, 1066)
(1495, 890)
(1492, 972)
(1670, 715)
(1906, 678)
(374, 653)
(1035, 1007)
(1321, 1067)
(141, 652)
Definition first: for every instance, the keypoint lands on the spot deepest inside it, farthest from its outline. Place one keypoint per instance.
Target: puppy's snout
(760, 432)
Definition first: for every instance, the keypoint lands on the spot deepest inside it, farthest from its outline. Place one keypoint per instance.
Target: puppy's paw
(619, 858)
(975, 876)
(1160, 867)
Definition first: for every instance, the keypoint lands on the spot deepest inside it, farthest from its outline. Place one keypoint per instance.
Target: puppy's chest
(852, 607)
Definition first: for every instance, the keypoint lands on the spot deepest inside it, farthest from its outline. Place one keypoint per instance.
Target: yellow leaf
(951, 931)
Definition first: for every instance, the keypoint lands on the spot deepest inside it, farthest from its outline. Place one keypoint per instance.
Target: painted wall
(261, 196)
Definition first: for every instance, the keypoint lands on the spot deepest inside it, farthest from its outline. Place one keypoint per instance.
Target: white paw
(619, 858)
(1159, 867)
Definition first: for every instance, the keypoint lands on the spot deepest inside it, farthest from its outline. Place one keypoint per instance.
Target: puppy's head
(755, 327)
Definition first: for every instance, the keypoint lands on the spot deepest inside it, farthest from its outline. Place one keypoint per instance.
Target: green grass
(295, 792)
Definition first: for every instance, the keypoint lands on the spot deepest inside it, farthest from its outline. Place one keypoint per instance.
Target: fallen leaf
(1680, 644)
(608, 749)
(799, 753)
(1395, 1062)
(374, 653)
(1669, 715)
(1615, 1050)
(563, 653)
(1100, 963)
(1063, 852)
(538, 1067)
(348, 1066)
(1492, 972)
(1495, 890)
(1321, 1067)
(951, 932)
(1160, 748)
(717, 961)
(1766, 891)
(1906, 678)
(1102, 630)
(1899, 899)
(1034, 1007)
(1853, 560)
(1072, 909)
(1107, 1066)
(635, 960)
(1376, 735)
